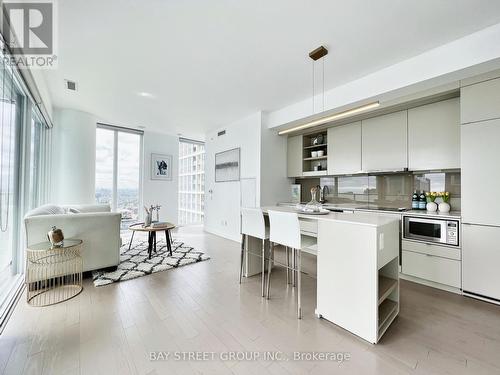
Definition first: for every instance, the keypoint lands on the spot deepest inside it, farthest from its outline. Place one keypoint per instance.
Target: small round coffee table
(139, 227)
(53, 273)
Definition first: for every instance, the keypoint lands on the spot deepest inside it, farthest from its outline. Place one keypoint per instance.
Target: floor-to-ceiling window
(191, 181)
(118, 172)
(11, 108)
(24, 175)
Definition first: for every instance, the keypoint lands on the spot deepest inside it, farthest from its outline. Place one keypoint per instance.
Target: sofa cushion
(47, 209)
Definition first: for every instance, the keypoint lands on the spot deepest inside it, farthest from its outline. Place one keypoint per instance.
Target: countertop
(359, 219)
(363, 208)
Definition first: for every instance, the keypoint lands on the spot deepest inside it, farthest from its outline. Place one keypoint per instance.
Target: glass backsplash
(390, 190)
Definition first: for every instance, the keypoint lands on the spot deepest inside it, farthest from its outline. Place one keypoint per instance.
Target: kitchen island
(357, 269)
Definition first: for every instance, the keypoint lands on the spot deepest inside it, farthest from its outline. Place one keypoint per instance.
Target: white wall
(73, 157)
(222, 199)
(164, 193)
(274, 184)
(73, 163)
(263, 158)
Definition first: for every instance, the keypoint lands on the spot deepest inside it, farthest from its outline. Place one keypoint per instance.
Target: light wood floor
(201, 307)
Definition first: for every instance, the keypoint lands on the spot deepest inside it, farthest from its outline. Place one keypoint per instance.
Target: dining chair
(285, 231)
(253, 225)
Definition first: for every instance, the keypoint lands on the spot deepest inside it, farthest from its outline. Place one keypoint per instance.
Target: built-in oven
(444, 231)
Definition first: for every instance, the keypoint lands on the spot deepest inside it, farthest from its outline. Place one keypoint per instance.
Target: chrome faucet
(322, 192)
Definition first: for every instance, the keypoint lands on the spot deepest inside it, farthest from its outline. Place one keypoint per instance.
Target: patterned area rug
(135, 263)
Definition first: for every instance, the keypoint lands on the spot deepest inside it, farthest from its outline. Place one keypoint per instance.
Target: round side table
(165, 227)
(53, 274)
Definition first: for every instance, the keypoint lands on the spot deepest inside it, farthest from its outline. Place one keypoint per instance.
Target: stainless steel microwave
(425, 229)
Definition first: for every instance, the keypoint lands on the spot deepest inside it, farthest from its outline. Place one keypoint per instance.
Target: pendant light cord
(323, 78)
(313, 87)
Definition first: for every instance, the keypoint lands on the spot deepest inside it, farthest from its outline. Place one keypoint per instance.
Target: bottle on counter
(414, 201)
(422, 201)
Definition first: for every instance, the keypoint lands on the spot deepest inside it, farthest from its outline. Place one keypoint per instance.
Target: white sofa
(96, 225)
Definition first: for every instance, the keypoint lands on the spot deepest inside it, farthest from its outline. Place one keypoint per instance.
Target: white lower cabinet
(481, 247)
(434, 263)
(432, 268)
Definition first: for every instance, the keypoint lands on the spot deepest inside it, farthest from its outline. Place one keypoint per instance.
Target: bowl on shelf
(314, 154)
(321, 153)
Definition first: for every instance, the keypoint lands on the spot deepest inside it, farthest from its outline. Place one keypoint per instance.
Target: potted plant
(444, 206)
(431, 205)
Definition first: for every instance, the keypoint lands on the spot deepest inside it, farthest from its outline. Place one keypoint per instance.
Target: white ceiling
(209, 63)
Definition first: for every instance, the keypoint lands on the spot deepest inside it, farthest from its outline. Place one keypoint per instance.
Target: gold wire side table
(53, 274)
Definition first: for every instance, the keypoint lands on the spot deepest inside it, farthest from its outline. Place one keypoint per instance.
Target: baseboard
(222, 234)
(481, 297)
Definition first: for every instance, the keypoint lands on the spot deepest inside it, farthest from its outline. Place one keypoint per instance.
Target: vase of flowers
(431, 205)
(444, 206)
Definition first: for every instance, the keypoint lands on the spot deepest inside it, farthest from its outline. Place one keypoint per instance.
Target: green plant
(445, 196)
(431, 196)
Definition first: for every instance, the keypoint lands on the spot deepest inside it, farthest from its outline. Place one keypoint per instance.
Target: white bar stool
(285, 231)
(252, 224)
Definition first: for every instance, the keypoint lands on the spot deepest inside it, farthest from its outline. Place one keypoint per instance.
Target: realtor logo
(28, 28)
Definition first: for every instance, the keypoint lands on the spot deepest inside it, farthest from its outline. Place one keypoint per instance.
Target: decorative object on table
(56, 237)
(295, 193)
(318, 140)
(53, 274)
(431, 205)
(227, 165)
(157, 209)
(134, 261)
(444, 206)
(422, 201)
(161, 167)
(148, 217)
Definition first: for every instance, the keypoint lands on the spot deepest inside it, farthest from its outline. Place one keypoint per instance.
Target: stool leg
(269, 269)
(294, 274)
(242, 254)
(263, 266)
(299, 277)
(287, 254)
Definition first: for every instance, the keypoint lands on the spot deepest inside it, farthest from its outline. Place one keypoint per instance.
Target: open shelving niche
(388, 295)
(309, 162)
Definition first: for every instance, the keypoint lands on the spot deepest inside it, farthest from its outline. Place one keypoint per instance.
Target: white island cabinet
(358, 266)
(357, 269)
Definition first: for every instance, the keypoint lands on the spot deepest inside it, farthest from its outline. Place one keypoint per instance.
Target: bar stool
(252, 224)
(285, 231)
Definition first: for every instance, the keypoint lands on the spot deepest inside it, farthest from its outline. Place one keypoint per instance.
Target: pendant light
(315, 55)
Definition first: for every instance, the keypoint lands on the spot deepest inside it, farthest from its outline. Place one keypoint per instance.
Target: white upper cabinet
(294, 153)
(480, 176)
(434, 136)
(384, 142)
(344, 149)
(480, 101)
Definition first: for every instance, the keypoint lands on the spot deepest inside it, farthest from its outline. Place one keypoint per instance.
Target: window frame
(114, 187)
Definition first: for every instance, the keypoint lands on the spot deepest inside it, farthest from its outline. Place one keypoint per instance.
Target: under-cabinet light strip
(335, 116)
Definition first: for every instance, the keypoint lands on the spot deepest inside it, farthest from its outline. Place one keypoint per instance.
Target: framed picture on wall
(227, 165)
(161, 167)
